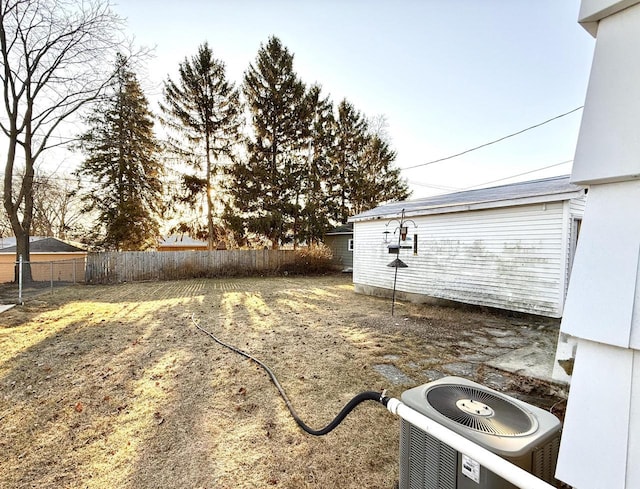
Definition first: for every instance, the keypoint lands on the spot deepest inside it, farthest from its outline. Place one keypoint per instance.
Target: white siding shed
(509, 247)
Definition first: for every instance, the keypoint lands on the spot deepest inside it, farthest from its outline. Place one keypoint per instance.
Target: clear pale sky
(447, 74)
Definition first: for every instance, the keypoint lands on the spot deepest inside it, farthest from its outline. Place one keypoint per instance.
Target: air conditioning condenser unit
(525, 435)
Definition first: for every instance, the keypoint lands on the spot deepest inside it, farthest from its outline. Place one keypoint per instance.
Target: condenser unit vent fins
(480, 410)
(544, 460)
(431, 463)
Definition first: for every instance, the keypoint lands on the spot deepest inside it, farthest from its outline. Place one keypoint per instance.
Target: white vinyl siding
(509, 257)
(577, 206)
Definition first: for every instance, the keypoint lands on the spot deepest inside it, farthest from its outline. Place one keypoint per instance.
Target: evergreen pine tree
(306, 169)
(376, 180)
(267, 186)
(122, 162)
(317, 209)
(362, 174)
(203, 108)
(351, 137)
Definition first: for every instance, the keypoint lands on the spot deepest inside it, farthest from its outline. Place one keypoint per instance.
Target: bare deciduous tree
(57, 208)
(54, 57)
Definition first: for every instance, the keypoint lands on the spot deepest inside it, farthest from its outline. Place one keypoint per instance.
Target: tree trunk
(21, 230)
(210, 223)
(295, 222)
(23, 250)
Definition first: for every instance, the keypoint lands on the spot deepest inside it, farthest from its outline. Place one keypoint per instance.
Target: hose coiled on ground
(350, 406)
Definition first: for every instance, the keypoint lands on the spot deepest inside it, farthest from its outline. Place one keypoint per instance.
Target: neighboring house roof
(45, 245)
(544, 190)
(11, 241)
(344, 229)
(177, 241)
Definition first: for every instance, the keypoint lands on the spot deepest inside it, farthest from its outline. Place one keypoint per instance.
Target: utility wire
(492, 142)
(433, 186)
(519, 174)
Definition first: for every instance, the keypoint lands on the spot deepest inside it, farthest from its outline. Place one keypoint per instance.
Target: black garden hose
(350, 406)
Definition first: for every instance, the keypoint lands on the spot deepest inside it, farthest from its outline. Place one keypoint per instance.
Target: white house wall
(600, 445)
(512, 258)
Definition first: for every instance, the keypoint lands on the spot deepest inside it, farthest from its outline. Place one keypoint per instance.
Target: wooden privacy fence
(131, 266)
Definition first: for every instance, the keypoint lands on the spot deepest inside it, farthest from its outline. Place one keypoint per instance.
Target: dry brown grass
(113, 386)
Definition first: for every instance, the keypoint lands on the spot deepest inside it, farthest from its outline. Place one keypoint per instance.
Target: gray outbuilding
(340, 241)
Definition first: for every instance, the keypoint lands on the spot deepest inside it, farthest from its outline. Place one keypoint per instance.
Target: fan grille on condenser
(507, 419)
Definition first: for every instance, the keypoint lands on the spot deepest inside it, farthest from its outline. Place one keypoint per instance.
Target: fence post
(20, 280)
(51, 268)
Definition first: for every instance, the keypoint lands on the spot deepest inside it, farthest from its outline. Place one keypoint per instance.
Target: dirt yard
(114, 387)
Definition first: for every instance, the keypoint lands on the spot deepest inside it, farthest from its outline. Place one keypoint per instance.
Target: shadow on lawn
(130, 394)
(10, 293)
(88, 401)
(128, 398)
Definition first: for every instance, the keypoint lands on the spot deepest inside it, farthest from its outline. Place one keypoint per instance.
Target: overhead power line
(519, 174)
(433, 186)
(494, 141)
